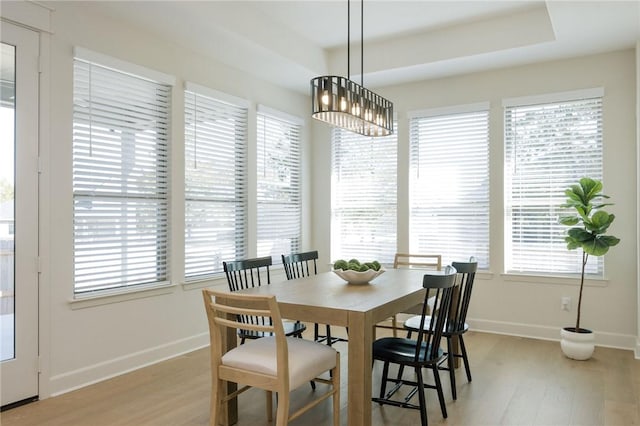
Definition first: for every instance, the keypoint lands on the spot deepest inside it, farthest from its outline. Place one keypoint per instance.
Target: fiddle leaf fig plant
(589, 224)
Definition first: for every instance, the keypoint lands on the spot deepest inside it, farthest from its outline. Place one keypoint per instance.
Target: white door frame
(19, 376)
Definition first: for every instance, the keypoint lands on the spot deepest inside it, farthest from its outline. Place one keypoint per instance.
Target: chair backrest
(298, 265)
(224, 311)
(439, 290)
(460, 305)
(247, 273)
(422, 261)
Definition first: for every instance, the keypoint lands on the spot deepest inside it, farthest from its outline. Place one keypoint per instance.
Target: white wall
(83, 342)
(526, 305)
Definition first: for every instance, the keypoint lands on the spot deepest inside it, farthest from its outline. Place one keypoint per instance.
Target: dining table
(326, 298)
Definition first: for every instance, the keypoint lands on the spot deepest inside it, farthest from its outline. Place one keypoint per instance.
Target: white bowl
(355, 277)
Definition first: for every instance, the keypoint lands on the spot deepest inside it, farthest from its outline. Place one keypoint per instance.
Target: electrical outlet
(565, 303)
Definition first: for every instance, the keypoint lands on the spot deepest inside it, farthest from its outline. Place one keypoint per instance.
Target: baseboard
(82, 377)
(610, 340)
(76, 379)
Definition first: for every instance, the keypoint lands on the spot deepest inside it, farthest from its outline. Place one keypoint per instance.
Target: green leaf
(568, 220)
(596, 247)
(580, 235)
(599, 222)
(599, 206)
(591, 188)
(573, 196)
(572, 244)
(609, 239)
(577, 189)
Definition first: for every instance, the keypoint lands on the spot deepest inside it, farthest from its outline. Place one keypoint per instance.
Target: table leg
(455, 348)
(359, 369)
(455, 344)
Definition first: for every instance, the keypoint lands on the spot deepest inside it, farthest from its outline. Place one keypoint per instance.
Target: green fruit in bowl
(354, 266)
(341, 264)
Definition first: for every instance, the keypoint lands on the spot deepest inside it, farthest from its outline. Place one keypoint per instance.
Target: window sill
(555, 279)
(484, 275)
(120, 295)
(197, 284)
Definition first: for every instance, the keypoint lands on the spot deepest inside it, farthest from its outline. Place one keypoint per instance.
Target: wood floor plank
(516, 381)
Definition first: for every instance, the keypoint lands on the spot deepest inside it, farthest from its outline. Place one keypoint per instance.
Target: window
(549, 146)
(363, 197)
(278, 183)
(449, 183)
(120, 174)
(215, 181)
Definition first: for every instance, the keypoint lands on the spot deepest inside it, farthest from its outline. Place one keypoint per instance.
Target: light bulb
(343, 104)
(325, 98)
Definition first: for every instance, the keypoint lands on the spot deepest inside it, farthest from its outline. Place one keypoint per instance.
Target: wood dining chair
(298, 265)
(456, 323)
(431, 262)
(423, 352)
(255, 272)
(276, 363)
(249, 273)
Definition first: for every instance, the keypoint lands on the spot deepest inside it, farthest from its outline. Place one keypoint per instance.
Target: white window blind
(279, 201)
(549, 147)
(449, 185)
(363, 196)
(120, 178)
(215, 184)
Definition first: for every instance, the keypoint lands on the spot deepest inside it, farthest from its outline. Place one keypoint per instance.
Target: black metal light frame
(341, 102)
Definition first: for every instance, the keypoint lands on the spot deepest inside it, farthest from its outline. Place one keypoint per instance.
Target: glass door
(18, 214)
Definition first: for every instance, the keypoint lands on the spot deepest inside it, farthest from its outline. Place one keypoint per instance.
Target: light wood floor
(516, 381)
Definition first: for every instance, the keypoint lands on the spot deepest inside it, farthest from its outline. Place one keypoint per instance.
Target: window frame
(442, 119)
(289, 195)
(380, 196)
(97, 183)
(562, 262)
(216, 137)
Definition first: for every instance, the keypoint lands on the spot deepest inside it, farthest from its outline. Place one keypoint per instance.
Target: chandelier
(344, 103)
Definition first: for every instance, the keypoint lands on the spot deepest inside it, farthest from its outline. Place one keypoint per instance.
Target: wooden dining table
(326, 298)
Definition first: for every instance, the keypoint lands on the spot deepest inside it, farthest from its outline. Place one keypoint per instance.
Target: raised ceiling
(289, 42)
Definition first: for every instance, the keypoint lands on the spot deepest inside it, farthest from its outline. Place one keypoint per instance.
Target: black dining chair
(423, 352)
(431, 262)
(298, 265)
(456, 324)
(247, 273)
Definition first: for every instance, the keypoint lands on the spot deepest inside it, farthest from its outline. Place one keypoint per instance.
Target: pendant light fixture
(346, 104)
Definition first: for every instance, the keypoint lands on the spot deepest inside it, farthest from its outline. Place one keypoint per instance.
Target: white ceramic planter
(578, 346)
